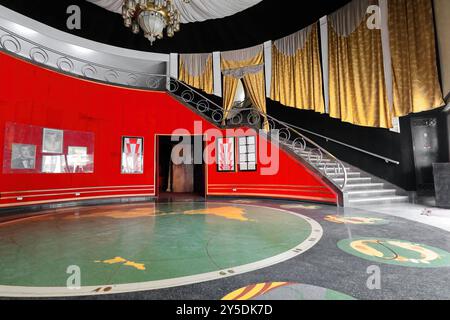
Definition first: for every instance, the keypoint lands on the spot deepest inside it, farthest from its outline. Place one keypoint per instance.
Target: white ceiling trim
(196, 10)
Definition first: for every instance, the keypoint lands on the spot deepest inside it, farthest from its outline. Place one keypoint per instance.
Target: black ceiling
(269, 20)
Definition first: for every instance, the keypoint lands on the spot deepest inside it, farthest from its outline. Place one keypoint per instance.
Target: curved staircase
(357, 187)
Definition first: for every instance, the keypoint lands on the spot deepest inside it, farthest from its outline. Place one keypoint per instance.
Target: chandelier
(152, 16)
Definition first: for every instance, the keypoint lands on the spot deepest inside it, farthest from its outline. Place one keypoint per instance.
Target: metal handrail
(387, 160)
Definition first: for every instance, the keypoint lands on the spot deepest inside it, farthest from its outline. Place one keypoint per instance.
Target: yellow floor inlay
(125, 262)
(353, 220)
(232, 213)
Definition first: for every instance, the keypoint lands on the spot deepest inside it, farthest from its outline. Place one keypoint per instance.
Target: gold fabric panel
(413, 48)
(297, 79)
(357, 84)
(203, 82)
(255, 86)
(254, 82)
(229, 92)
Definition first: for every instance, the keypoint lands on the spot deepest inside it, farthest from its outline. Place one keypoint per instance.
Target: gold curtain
(248, 65)
(297, 78)
(255, 87)
(356, 75)
(202, 75)
(413, 49)
(230, 85)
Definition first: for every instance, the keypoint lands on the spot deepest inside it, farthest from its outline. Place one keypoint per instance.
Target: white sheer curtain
(347, 19)
(196, 10)
(195, 64)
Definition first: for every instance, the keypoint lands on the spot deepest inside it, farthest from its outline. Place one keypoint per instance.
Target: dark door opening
(180, 167)
(426, 152)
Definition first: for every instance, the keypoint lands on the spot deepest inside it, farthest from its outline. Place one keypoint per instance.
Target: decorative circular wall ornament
(203, 106)
(89, 71)
(253, 118)
(272, 125)
(111, 76)
(153, 82)
(285, 135)
(396, 252)
(173, 86)
(285, 291)
(38, 55)
(187, 96)
(217, 116)
(237, 119)
(65, 64)
(299, 145)
(10, 43)
(132, 80)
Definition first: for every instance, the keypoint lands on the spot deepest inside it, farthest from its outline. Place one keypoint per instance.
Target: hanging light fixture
(152, 16)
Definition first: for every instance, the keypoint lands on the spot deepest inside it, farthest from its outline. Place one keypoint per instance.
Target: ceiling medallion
(152, 16)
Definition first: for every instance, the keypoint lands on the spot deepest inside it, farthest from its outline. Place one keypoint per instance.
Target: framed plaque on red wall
(226, 161)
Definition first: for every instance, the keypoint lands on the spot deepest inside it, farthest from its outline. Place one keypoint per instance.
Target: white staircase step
(341, 175)
(379, 200)
(364, 186)
(360, 194)
(360, 190)
(352, 181)
(332, 167)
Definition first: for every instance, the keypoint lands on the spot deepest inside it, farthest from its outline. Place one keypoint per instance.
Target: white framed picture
(132, 155)
(23, 156)
(52, 141)
(226, 155)
(77, 151)
(54, 164)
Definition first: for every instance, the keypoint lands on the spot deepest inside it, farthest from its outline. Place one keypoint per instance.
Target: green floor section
(140, 243)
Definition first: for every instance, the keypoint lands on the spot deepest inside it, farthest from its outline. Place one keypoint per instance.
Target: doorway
(180, 167)
(426, 152)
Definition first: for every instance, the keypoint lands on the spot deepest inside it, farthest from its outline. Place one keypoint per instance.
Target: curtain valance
(242, 58)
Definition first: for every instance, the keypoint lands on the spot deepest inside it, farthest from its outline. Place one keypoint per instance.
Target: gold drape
(254, 82)
(203, 82)
(356, 75)
(255, 87)
(297, 80)
(230, 85)
(413, 48)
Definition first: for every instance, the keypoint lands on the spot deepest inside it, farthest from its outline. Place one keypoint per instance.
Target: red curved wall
(35, 96)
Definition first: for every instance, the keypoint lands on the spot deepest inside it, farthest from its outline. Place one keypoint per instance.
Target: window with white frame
(247, 154)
